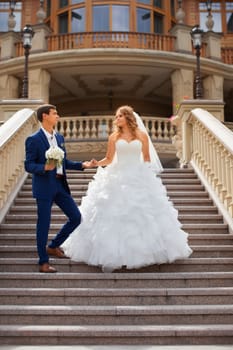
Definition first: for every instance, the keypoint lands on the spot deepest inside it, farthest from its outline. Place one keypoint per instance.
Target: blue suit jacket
(44, 182)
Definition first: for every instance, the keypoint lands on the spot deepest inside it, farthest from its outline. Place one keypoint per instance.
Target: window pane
(48, 8)
(63, 3)
(158, 3)
(217, 21)
(120, 18)
(4, 5)
(4, 16)
(158, 24)
(101, 18)
(63, 23)
(148, 2)
(78, 20)
(216, 6)
(172, 4)
(229, 6)
(18, 21)
(143, 20)
(76, 1)
(4, 21)
(230, 22)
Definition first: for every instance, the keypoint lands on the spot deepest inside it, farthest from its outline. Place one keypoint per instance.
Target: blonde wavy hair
(127, 111)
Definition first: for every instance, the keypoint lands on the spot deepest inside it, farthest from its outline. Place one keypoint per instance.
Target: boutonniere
(62, 145)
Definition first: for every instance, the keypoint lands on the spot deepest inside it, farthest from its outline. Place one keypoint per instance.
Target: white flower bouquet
(55, 154)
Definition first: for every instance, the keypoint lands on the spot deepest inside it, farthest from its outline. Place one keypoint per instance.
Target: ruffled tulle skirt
(127, 220)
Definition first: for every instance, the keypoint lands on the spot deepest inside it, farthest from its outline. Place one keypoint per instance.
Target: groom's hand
(89, 164)
(50, 166)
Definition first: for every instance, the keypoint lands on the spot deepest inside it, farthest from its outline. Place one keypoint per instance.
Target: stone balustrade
(100, 127)
(208, 145)
(12, 153)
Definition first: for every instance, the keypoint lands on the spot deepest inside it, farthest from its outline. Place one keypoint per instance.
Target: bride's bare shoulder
(113, 136)
(141, 135)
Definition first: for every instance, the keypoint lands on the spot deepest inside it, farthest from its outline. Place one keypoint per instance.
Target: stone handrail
(100, 127)
(208, 145)
(12, 153)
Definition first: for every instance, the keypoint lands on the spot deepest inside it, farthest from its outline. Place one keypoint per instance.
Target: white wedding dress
(127, 218)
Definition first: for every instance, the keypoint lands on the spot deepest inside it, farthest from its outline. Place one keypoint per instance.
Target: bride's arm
(110, 151)
(145, 147)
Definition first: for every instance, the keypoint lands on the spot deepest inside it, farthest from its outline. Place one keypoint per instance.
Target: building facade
(89, 57)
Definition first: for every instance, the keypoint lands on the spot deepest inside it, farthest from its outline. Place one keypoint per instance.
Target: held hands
(86, 165)
(90, 164)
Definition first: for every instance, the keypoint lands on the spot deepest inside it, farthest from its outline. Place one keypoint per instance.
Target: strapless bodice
(128, 152)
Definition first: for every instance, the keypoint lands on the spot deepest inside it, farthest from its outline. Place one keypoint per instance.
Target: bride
(127, 218)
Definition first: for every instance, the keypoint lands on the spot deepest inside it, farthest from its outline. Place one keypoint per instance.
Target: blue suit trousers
(44, 206)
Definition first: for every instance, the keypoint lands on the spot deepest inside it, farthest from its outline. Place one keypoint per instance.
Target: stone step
(27, 218)
(117, 335)
(172, 194)
(206, 228)
(186, 302)
(31, 209)
(83, 185)
(116, 296)
(212, 251)
(207, 210)
(117, 280)
(66, 265)
(115, 314)
(208, 251)
(176, 201)
(183, 181)
(184, 202)
(21, 238)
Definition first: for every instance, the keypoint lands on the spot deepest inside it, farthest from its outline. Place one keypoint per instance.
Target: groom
(49, 185)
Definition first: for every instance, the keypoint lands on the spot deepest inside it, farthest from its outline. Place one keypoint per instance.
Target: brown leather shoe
(58, 252)
(46, 268)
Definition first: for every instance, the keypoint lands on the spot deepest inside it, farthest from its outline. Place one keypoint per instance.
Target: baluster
(159, 130)
(165, 131)
(95, 128)
(68, 128)
(153, 129)
(81, 130)
(230, 207)
(228, 197)
(61, 127)
(91, 127)
(223, 173)
(74, 130)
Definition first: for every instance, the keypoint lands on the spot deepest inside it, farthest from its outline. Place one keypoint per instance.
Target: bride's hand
(90, 164)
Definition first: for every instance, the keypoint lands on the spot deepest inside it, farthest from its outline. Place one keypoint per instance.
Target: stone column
(183, 39)
(9, 87)
(8, 41)
(213, 87)
(39, 41)
(182, 86)
(213, 45)
(39, 82)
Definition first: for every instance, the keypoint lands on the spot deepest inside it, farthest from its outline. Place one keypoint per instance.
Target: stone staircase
(187, 302)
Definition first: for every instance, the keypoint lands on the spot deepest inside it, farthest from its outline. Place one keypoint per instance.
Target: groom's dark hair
(44, 109)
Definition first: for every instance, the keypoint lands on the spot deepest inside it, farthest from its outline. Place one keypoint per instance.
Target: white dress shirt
(53, 143)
